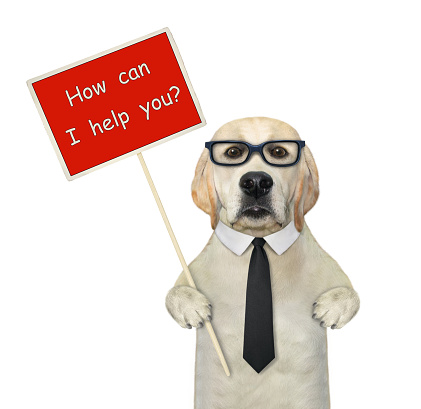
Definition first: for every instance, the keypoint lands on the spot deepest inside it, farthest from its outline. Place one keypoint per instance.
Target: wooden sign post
(116, 104)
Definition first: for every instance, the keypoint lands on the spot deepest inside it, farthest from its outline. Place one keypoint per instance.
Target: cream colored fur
(310, 291)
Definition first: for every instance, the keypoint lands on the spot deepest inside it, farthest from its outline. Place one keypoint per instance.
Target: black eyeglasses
(275, 153)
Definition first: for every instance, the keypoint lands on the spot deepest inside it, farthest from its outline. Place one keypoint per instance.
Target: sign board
(117, 103)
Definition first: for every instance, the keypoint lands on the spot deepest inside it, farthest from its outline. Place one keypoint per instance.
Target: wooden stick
(182, 261)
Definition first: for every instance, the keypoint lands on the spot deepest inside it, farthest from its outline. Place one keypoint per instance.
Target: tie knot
(259, 242)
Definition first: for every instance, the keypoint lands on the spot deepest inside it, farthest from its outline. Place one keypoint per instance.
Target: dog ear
(203, 188)
(307, 190)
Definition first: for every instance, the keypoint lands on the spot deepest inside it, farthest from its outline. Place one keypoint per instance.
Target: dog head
(256, 198)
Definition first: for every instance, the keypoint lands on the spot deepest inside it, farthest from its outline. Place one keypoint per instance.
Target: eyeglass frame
(255, 148)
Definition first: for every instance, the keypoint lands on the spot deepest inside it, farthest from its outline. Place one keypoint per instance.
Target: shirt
(238, 242)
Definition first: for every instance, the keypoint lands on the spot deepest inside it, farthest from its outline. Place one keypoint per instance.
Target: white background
(86, 265)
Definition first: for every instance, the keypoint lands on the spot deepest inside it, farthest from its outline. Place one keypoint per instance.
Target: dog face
(255, 197)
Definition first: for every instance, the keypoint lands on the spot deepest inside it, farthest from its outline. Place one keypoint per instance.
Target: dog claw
(333, 326)
(188, 326)
(322, 323)
(314, 315)
(209, 317)
(314, 304)
(200, 324)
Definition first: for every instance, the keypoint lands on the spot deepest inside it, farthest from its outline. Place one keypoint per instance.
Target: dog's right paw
(189, 307)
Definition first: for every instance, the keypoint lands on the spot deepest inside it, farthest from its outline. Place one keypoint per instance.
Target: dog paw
(189, 307)
(336, 307)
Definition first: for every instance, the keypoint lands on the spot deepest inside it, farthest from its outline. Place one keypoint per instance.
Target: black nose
(256, 184)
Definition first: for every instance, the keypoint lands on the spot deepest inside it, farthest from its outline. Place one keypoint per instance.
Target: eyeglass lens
(235, 153)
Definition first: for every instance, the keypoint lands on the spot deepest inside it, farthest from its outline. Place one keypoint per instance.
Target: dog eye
(278, 152)
(234, 152)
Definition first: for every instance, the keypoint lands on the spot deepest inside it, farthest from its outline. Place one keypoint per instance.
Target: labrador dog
(310, 292)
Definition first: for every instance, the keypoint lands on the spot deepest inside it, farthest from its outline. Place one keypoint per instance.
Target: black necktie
(258, 349)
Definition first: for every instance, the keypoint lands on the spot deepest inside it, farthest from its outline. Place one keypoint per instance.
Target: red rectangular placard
(117, 103)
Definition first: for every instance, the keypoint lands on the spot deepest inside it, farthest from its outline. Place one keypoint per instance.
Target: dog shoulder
(324, 264)
(199, 264)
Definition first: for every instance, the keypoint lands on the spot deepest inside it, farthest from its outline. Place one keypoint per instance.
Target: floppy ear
(307, 189)
(203, 188)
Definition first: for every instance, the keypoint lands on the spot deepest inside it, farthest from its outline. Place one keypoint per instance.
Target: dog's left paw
(336, 307)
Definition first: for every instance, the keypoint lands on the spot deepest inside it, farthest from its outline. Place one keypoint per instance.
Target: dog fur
(310, 291)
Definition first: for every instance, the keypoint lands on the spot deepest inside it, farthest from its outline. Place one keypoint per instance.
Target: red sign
(117, 103)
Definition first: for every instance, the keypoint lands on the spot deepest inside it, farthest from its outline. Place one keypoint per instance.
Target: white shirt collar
(238, 242)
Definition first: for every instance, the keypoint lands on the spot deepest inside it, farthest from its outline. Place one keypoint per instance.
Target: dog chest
(300, 366)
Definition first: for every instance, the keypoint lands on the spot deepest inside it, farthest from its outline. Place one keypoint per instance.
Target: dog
(310, 292)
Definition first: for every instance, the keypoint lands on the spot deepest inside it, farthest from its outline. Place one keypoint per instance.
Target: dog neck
(259, 231)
